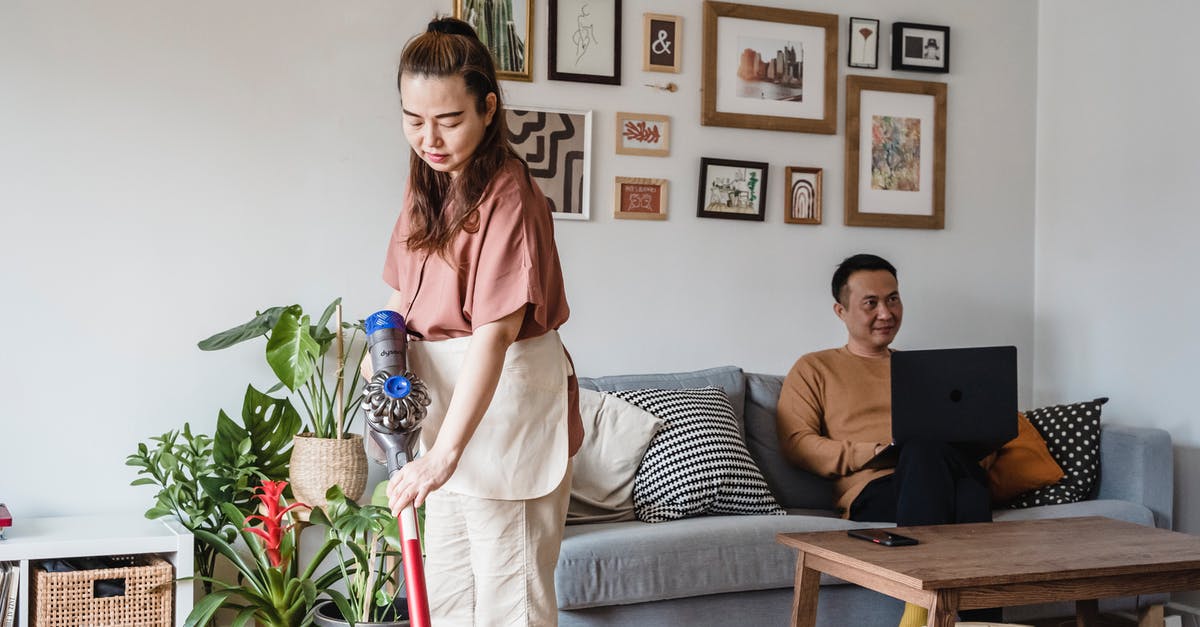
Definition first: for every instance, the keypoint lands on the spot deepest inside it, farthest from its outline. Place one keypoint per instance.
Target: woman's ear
(491, 108)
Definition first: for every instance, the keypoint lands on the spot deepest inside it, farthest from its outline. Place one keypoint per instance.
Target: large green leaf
(261, 323)
(292, 352)
(269, 424)
(320, 331)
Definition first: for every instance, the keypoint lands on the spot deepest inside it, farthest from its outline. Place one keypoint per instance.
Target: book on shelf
(10, 574)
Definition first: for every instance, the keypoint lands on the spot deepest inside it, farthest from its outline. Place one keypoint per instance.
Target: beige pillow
(616, 435)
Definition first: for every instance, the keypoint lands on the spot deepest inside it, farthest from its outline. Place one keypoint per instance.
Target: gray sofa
(718, 569)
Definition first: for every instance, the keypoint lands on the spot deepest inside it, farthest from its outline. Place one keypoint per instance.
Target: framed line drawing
(506, 28)
(640, 198)
(557, 145)
(920, 47)
(660, 43)
(864, 43)
(585, 41)
(895, 153)
(643, 134)
(769, 68)
(802, 199)
(735, 190)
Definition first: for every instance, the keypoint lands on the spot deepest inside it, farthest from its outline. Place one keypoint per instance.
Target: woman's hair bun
(451, 26)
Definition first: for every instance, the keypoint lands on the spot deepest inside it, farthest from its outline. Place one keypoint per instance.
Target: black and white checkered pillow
(697, 463)
(1072, 434)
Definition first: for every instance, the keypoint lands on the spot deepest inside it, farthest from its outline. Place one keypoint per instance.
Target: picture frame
(557, 146)
(731, 189)
(644, 134)
(920, 47)
(895, 171)
(661, 41)
(802, 195)
(863, 46)
(795, 91)
(506, 28)
(637, 198)
(585, 41)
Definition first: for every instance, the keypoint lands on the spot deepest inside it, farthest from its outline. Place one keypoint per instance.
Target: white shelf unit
(34, 539)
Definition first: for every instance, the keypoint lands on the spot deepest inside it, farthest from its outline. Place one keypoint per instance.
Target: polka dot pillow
(1072, 434)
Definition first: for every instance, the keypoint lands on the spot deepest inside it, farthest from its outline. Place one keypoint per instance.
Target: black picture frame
(567, 25)
(862, 50)
(920, 47)
(732, 195)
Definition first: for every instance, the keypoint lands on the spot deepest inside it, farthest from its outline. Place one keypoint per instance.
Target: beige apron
(519, 450)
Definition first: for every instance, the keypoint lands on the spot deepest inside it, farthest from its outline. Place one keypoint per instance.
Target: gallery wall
(168, 168)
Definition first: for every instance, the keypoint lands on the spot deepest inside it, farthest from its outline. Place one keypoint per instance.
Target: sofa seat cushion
(635, 562)
(1119, 510)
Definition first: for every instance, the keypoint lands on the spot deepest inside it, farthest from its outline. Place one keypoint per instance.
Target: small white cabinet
(80, 536)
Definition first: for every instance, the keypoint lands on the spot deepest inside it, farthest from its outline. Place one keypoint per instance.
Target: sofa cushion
(1072, 433)
(728, 378)
(697, 463)
(793, 488)
(1119, 510)
(616, 434)
(1022, 464)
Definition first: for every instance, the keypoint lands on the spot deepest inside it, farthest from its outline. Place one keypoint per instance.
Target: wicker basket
(318, 463)
(67, 599)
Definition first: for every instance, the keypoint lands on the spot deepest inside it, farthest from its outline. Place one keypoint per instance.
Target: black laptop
(964, 396)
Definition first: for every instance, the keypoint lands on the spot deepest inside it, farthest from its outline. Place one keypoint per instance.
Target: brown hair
(450, 47)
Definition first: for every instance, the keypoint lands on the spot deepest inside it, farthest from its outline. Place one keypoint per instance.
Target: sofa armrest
(1136, 465)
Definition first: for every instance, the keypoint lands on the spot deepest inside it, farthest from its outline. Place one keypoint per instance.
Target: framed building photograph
(769, 68)
(643, 134)
(640, 198)
(864, 43)
(506, 28)
(557, 145)
(895, 153)
(920, 47)
(736, 190)
(585, 41)
(802, 202)
(660, 43)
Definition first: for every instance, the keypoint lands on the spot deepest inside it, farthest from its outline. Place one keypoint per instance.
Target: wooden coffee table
(1004, 563)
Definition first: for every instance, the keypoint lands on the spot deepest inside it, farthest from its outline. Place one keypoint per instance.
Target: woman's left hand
(416, 479)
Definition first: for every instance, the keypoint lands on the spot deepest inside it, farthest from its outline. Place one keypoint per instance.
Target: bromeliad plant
(371, 535)
(271, 589)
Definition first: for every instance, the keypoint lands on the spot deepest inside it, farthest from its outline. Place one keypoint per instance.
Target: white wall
(169, 167)
(1117, 218)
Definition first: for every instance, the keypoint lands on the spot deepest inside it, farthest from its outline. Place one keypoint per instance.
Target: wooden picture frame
(802, 195)
(661, 40)
(501, 33)
(644, 134)
(895, 153)
(730, 189)
(795, 91)
(640, 198)
(863, 43)
(585, 41)
(557, 146)
(920, 47)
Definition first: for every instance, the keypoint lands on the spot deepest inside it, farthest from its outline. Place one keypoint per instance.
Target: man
(835, 414)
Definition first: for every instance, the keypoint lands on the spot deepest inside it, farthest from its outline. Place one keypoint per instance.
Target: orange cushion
(1021, 465)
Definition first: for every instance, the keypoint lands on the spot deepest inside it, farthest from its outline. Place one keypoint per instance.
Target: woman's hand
(416, 479)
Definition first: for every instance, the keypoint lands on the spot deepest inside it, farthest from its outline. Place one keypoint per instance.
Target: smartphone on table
(882, 536)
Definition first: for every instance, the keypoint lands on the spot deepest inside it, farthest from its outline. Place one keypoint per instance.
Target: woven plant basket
(68, 599)
(320, 463)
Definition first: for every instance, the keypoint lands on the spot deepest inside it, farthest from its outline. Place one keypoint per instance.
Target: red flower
(273, 530)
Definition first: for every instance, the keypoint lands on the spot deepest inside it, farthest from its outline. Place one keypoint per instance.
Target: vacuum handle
(414, 568)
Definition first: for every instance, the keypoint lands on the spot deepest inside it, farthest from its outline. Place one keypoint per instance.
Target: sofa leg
(1151, 616)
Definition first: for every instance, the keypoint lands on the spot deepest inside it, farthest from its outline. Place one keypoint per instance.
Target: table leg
(1151, 616)
(1087, 613)
(944, 612)
(804, 604)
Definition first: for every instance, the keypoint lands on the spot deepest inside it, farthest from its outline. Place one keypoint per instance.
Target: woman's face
(440, 120)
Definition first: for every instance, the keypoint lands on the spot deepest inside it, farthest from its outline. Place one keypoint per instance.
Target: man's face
(871, 309)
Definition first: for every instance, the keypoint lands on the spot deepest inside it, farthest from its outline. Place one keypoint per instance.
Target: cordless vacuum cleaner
(395, 402)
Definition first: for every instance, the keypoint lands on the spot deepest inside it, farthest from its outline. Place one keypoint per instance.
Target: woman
(476, 275)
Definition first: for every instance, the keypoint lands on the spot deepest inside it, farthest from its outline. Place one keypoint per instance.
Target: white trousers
(491, 561)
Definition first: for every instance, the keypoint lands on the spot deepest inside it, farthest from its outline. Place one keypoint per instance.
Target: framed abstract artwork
(640, 198)
(895, 153)
(506, 28)
(643, 134)
(920, 47)
(735, 190)
(660, 43)
(864, 43)
(802, 202)
(769, 68)
(585, 41)
(557, 145)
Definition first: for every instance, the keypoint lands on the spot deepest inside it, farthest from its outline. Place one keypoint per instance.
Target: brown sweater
(834, 409)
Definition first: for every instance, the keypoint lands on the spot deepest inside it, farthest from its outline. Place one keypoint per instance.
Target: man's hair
(856, 263)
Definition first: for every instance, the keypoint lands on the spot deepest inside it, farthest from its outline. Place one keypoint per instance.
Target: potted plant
(271, 590)
(324, 454)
